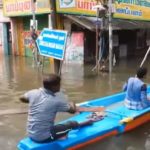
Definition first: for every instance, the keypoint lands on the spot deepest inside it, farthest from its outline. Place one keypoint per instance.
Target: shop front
(5, 32)
(82, 31)
(23, 13)
(130, 26)
(133, 17)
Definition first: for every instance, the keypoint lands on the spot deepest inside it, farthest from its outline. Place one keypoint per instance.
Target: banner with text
(84, 7)
(132, 9)
(75, 48)
(24, 7)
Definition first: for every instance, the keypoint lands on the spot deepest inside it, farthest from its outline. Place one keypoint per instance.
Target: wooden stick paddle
(13, 111)
(90, 109)
(145, 57)
(25, 111)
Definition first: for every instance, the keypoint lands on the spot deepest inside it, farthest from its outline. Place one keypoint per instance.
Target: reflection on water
(133, 140)
(147, 144)
(18, 75)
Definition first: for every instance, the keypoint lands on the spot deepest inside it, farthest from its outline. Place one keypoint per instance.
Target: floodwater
(17, 75)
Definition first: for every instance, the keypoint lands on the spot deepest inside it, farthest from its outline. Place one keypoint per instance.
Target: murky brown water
(18, 75)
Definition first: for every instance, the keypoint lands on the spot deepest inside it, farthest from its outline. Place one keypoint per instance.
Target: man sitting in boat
(44, 103)
(136, 91)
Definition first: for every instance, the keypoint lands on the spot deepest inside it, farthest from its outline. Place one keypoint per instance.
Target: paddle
(24, 110)
(90, 109)
(101, 109)
(13, 111)
(145, 57)
(125, 119)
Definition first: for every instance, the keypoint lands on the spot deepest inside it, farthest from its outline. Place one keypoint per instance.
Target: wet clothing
(136, 94)
(43, 106)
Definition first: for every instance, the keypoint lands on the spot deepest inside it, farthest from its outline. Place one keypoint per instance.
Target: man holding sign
(44, 103)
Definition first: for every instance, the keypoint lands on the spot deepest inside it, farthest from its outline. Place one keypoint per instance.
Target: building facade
(83, 22)
(5, 32)
(130, 31)
(21, 14)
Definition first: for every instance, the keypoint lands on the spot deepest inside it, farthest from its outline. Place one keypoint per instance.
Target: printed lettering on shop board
(52, 43)
(24, 7)
(123, 9)
(132, 9)
(84, 7)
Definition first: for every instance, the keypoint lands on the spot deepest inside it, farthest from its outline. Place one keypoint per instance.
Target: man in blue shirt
(44, 103)
(136, 91)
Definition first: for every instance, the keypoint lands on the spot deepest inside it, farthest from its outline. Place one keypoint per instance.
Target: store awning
(130, 24)
(82, 21)
(117, 24)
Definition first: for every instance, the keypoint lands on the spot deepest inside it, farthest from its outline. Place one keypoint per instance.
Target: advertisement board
(24, 7)
(84, 7)
(52, 43)
(132, 9)
(75, 48)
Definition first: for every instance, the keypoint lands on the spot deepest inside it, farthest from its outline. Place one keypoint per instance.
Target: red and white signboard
(75, 48)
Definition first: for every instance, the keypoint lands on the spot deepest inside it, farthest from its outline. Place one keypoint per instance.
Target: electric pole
(110, 34)
(57, 63)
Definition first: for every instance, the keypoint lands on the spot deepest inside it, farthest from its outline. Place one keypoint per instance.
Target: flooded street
(17, 75)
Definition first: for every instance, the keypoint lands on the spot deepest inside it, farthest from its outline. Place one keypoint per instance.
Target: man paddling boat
(44, 103)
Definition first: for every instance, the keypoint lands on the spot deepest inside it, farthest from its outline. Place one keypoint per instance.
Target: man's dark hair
(141, 72)
(50, 81)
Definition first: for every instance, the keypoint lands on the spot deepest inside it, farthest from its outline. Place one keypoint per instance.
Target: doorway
(89, 42)
(7, 43)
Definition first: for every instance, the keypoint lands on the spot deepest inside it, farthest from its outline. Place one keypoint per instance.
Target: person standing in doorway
(115, 50)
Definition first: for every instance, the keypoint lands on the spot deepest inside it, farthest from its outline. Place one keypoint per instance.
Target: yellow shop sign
(132, 9)
(83, 7)
(24, 7)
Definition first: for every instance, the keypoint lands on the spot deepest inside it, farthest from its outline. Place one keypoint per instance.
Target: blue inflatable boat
(118, 120)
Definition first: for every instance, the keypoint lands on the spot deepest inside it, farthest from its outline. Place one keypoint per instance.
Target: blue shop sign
(52, 43)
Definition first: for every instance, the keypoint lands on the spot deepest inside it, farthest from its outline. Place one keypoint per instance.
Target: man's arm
(90, 109)
(148, 97)
(144, 93)
(125, 86)
(24, 99)
(74, 108)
